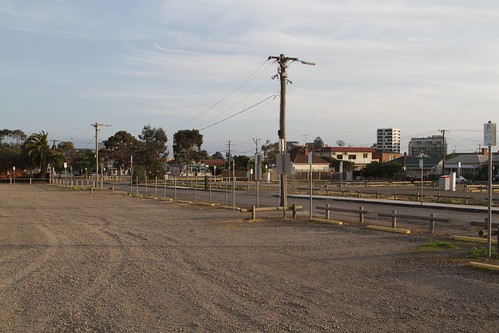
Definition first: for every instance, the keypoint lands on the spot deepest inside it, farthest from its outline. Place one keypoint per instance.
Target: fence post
(432, 224)
(395, 196)
(253, 212)
(294, 211)
(361, 215)
(466, 199)
(112, 189)
(327, 212)
(394, 219)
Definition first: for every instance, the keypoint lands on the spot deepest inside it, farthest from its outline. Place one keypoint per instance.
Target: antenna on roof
(340, 143)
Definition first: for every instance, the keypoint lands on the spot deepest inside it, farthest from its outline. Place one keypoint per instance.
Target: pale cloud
(414, 65)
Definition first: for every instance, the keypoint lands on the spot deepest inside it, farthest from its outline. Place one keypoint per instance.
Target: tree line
(146, 155)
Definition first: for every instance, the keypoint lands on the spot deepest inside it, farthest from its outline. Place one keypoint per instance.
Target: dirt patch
(76, 262)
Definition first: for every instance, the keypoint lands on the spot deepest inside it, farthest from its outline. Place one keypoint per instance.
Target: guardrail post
(112, 188)
(294, 211)
(395, 196)
(466, 199)
(394, 219)
(432, 224)
(327, 212)
(358, 194)
(361, 214)
(253, 212)
(377, 194)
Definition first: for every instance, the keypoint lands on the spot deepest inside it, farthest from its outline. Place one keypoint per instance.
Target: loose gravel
(81, 262)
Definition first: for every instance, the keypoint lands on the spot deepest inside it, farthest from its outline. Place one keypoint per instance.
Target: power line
(235, 104)
(238, 113)
(237, 88)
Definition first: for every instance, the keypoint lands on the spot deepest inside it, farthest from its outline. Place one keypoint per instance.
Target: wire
(240, 112)
(237, 88)
(233, 106)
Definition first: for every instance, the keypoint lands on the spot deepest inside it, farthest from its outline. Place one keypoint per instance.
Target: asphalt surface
(459, 214)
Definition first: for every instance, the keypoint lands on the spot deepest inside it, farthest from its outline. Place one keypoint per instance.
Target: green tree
(187, 146)
(381, 170)
(84, 160)
(120, 147)
(318, 142)
(241, 162)
(218, 156)
(270, 150)
(37, 154)
(12, 139)
(153, 151)
(67, 151)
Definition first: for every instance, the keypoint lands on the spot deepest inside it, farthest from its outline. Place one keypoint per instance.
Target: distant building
(299, 158)
(433, 146)
(361, 156)
(384, 157)
(388, 140)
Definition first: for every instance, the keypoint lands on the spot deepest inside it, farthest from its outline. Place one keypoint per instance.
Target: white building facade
(388, 140)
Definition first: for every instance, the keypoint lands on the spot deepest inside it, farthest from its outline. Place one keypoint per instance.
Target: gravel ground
(76, 262)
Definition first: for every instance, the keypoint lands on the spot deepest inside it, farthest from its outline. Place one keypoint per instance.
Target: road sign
(489, 134)
(283, 163)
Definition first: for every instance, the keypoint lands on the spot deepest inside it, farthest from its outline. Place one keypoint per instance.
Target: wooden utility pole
(283, 77)
(443, 151)
(97, 127)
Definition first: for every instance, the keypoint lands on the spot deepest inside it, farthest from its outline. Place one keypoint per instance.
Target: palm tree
(37, 153)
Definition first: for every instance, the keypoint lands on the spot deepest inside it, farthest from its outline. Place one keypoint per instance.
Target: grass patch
(438, 245)
(481, 252)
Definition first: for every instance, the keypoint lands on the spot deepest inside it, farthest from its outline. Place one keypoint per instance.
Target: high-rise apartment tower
(388, 139)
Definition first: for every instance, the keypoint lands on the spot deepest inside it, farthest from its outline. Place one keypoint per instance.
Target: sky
(418, 65)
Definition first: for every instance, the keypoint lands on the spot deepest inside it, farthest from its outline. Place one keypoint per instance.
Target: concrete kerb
(326, 221)
(389, 229)
(472, 239)
(484, 266)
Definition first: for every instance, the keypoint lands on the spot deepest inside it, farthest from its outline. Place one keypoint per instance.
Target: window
(364, 155)
(352, 157)
(339, 157)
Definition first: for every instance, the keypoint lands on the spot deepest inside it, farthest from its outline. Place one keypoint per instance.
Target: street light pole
(283, 64)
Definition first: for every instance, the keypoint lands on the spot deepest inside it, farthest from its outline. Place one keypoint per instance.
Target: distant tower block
(388, 139)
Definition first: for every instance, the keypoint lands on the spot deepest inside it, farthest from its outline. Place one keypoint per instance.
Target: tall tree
(154, 152)
(120, 148)
(318, 142)
(84, 161)
(187, 146)
(270, 150)
(241, 162)
(218, 156)
(37, 153)
(12, 139)
(67, 150)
